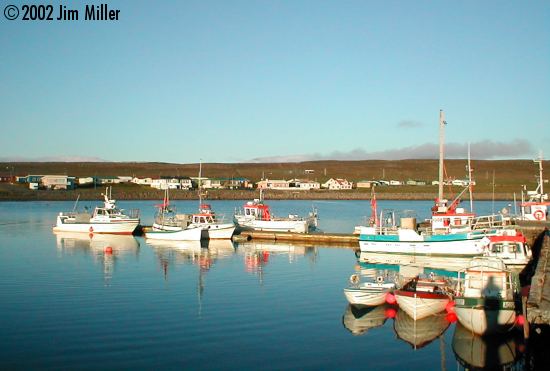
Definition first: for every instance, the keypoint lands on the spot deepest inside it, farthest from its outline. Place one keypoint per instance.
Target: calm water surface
(66, 304)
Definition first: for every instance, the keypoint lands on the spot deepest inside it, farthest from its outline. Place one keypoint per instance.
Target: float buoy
(354, 279)
(539, 215)
(91, 229)
(108, 250)
(390, 298)
(380, 279)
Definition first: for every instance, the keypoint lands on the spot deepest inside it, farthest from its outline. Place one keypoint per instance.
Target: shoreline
(136, 194)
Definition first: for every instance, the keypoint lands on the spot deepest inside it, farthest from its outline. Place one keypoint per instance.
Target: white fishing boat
(451, 231)
(485, 302)
(423, 297)
(104, 219)
(534, 204)
(170, 226)
(256, 215)
(369, 293)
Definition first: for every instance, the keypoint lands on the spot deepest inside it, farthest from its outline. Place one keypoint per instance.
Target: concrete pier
(538, 302)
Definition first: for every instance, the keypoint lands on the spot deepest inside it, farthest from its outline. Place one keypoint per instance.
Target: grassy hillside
(509, 175)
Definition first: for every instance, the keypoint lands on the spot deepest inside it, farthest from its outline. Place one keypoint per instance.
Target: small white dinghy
(370, 293)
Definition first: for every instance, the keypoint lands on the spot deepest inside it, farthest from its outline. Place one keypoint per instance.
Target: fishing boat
(369, 293)
(485, 300)
(451, 231)
(534, 204)
(256, 215)
(360, 320)
(212, 224)
(421, 332)
(511, 248)
(170, 226)
(104, 219)
(423, 297)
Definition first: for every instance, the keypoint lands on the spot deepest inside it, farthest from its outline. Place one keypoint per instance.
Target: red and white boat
(257, 215)
(511, 248)
(423, 297)
(535, 208)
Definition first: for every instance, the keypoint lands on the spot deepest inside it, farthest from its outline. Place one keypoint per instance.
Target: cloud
(52, 159)
(483, 150)
(409, 124)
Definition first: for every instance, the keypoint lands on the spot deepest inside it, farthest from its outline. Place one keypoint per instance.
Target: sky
(254, 81)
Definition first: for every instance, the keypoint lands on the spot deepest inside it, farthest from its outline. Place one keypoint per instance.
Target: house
(411, 182)
(303, 184)
(142, 181)
(58, 182)
(365, 184)
(82, 181)
(166, 183)
(337, 184)
(395, 182)
(125, 179)
(273, 184)
(235, 183)
(211, 183)
(108, 180)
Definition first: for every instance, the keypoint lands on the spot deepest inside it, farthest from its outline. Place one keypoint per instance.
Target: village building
(337, 184)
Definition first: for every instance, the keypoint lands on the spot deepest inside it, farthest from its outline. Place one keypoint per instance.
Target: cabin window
(513, 248)
(527, 209)
(246, 211)
(497, 248)
(457, 221)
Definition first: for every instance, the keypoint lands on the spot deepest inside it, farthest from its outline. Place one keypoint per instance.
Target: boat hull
(420, 305)
(366, 297)
(447, 245)
(485, 316)
(119, 227)
(218, 231)
(295, 226)
(192, 234)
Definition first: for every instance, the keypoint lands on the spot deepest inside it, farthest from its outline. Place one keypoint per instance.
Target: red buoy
(450, 307)
(520, 320)
(451, 317)
(390, 298)
(390, 313)
(108, 250)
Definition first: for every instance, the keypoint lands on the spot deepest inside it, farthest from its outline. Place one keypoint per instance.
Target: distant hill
(509, 175)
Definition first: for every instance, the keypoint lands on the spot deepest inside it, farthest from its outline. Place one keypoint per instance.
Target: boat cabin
(511, 249)
(487, 278)
(257, 210)
(450, 219)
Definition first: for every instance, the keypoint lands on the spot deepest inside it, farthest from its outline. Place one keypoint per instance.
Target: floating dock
(351, 240)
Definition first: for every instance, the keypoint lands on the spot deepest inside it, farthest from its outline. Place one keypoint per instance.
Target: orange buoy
(450, 307)
(390, 313)
(390, 298)
(451, 317)
(108, 250)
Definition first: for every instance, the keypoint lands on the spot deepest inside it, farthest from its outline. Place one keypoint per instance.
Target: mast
(200, 189)
(539, 161)
(441, 152)
(470, 181)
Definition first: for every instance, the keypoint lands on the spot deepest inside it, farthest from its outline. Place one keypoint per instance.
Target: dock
(538, 301)
(341, 239)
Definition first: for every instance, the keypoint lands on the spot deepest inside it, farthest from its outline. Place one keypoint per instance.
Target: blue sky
(236, 81)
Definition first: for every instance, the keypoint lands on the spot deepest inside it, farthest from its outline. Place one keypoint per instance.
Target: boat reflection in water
(359, 320)
(421, 332)
(258, 254)
(488, 352)
(106, 249)
(201, 253)
(450, 264)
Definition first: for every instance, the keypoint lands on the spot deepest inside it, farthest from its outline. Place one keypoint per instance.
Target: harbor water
(66, 302)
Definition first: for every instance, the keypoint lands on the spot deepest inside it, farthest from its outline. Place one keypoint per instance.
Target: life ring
(91, 229)
(379, 279)
(354, 278)
(539, 215)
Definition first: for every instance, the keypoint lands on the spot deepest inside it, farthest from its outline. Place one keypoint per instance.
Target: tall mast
(200, 189)
(539, 161)
(470, 181)
(441, 152)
